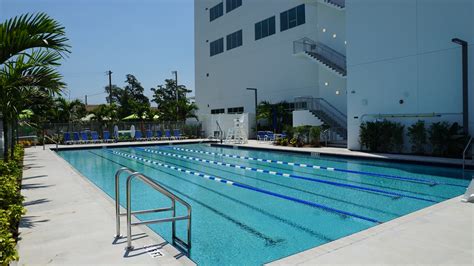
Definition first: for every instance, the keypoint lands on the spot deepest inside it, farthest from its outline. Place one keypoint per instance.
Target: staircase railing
(466, 149)
(339, 3)
(320, 104)
(309, 46)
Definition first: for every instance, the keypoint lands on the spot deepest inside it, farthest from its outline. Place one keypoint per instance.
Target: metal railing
(186, 246)
(309, 46)
(320, 104)
(466, 149)
(339, 3)
(221, 132)
(51, 139)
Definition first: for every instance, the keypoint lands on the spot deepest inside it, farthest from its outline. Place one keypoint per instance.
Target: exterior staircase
(336, 135)
(338, 4)
(322, 54)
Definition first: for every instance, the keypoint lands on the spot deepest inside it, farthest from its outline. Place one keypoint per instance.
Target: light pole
(256, 120)
(175, 73)
(465, 104)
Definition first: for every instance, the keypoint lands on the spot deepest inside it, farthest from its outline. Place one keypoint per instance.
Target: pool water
(252, 207)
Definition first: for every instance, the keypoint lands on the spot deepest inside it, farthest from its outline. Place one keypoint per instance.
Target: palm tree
(31, 45)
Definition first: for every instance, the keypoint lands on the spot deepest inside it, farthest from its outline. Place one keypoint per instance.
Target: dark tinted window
(216, 11)
(234, 40)
(235, 110)
(217, 46)
(265, 28)
(292, 18)
(217, 111)
(232, 4)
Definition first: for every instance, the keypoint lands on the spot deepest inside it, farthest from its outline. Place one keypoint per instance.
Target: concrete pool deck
(71, 221)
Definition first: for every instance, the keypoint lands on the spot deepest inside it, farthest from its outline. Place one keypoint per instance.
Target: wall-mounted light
(334, 35)
(345, 42)
(324, 29)
(337, 92)
(326, 83)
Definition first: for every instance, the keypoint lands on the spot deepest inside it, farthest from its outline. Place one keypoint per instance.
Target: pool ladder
(181, 244)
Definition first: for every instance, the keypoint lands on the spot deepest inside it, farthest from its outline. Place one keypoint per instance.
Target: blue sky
(146, 38)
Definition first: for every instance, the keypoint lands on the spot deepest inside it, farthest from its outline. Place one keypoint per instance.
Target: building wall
(267, 64)
(402, 50)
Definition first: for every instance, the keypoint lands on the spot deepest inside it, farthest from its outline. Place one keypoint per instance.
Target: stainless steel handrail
(221, 132)
(176, 240)
(48, 137)
(340, 3)
(464, 154)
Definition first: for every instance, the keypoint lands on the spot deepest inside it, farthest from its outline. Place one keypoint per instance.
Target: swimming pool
(251, 207)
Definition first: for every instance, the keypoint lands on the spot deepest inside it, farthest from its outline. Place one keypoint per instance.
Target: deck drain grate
(153, 251)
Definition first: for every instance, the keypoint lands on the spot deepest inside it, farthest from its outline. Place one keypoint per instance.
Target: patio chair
(177, 134)
(138, 135)
(167, 134)
(95, 137)
(85, 137)
(270, 136)
(261, 136)
(149, 135)
(107, 137)
(67, 138)
(76, 138)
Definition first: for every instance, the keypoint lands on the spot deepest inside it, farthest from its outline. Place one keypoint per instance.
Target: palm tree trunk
(13, 137)
(5, 138)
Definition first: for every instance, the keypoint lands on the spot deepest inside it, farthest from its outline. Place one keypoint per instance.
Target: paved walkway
(357, 154)
(70, 221)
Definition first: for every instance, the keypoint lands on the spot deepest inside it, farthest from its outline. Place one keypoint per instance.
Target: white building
(400, 58)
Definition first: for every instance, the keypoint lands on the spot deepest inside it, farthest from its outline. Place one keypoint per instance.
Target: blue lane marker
(284, 174)
(244, 186)
(408, 179)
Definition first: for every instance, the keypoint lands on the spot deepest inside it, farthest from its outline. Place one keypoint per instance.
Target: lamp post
(256, 121)
(465, 103)
(175, 73)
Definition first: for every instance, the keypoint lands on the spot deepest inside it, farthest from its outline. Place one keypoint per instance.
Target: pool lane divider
(360, 188)
(244, 186)
(318, 167)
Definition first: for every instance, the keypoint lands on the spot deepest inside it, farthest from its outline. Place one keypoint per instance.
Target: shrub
(11, 207)
(381, 136)
(446, 139)
(314, 135)
(417, 134)
(284, 142)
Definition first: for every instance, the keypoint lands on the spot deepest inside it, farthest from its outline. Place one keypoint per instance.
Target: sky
(146, 38)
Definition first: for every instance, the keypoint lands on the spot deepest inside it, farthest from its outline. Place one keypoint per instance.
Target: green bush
(315, 135)
(446, 139)
(417, 134)
(381, 136)
(284, 142)
(11, 206)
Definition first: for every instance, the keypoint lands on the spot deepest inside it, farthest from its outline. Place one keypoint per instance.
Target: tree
(30, 47)
(130, 99)
(169, 108)
(68, 111)
(275, 115)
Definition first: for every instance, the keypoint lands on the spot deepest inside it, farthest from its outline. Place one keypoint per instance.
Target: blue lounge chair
(177, 134)
(261, 136)
(138, 135)
(107, 137)
(76, 138)
(149, 135)
(85, 137)
(95, 137)
(159, 134)
(270, 136)
(167, 134)
(67, 138)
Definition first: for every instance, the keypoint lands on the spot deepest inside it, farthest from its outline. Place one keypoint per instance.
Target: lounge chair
(85, 137)
(138, 135)
(261, 136)
(67, 138)
(167, 134)
(270, 136)
(76, 138)
(159, 134)
(107, 137)
(95, 137)
(149, 135)
(177, 134)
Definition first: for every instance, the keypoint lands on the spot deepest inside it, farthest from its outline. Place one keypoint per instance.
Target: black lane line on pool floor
(286, 175)
(252, 207)
(337, 178)
(259, 190)
(395, 215)
(269, 241)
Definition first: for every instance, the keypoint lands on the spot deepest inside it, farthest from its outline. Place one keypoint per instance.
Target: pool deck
(253, 144)
(71, 221)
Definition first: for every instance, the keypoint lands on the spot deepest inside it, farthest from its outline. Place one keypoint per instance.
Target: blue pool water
(252, 207)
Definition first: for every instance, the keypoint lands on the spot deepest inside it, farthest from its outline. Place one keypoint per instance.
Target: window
(292, 18)
(217, 46)
(234, 40)
(217, 111)
(235, 110)
(232, 4)
(265, 28)
(216, 11)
